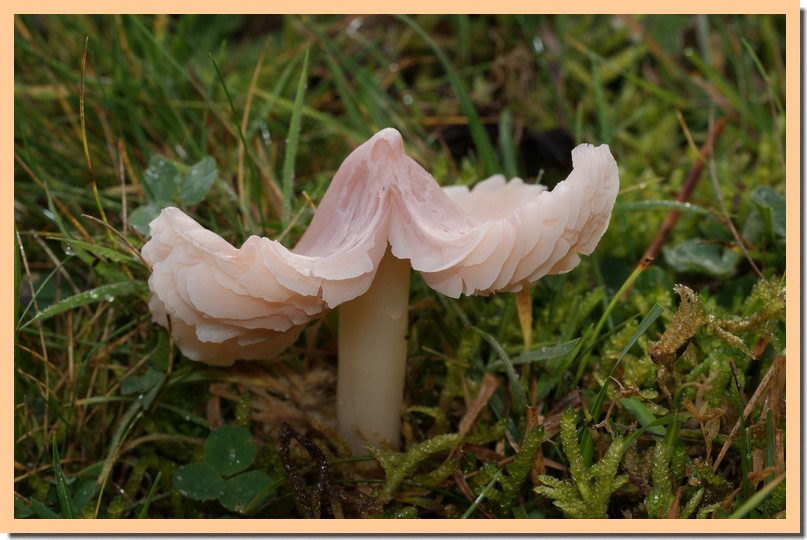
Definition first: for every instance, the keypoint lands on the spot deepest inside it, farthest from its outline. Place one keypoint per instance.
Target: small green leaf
(230, 450)
(106, 293)
(143, 216)
(773, 207)
(141, 383)
(22, 510)
(197, 181)
(161, 180)
(83, 493)
(198, 481)
(160, 358)
(698, 255)
(145, 385)
(36, 507)
(242, 492)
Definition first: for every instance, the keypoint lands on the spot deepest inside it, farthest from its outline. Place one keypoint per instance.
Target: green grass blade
(661, 205)
(507, 144)
(768, 81)
(517, 391)
(346, 94)
(668, 97)
(16, 277)
(671, 438)
(100, 251)
(756, 499)
(725, 88)
(39, 508)
(663, 421)
(65, 501)
(643, 415)
(648, 320)
(583, 363)
(293, 138)
(484, 146)
(599, 102)
(83, 122)
(482, 495)
(587, 443)
(143, 514)
(543, 354)
(242, 197)
(98, 294)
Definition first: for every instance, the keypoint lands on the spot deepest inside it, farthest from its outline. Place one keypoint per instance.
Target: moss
(587, 492)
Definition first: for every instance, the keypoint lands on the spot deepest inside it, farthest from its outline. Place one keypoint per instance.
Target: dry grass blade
(775, 373)
(486, 390)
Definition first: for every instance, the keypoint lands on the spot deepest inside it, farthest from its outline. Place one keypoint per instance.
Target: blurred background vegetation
(645, 399)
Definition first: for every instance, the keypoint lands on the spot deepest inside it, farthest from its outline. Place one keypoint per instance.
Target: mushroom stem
(372, 359)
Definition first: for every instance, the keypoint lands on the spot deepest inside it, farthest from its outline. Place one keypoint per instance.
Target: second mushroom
(382, 215)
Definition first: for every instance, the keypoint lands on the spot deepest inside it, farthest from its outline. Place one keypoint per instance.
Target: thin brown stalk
(773, 373)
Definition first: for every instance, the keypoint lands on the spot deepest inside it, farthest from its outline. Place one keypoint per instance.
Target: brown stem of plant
(686, 191)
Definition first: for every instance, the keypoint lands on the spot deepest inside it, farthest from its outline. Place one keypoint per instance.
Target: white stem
(372, 359)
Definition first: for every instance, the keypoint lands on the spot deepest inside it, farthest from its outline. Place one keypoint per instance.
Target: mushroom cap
(226, 303)
(500, 236)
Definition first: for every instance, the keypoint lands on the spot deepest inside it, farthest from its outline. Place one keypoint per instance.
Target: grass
(631, 398)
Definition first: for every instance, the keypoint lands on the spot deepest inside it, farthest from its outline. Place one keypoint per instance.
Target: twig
(310, 504)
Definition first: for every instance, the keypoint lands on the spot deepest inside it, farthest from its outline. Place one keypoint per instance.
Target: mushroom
(382, 215)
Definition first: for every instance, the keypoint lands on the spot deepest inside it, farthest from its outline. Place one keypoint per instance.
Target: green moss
(587, 492)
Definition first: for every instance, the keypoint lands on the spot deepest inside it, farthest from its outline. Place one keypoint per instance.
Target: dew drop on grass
(408, 100)
(537, 45)
(109, 298)
(354, 26)
(266, 135)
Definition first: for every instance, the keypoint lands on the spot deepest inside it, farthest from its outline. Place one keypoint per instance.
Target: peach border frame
(790, 525)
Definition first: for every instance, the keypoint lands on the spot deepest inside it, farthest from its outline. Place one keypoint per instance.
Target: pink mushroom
(382, 215)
